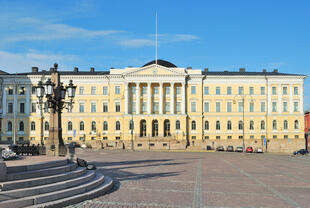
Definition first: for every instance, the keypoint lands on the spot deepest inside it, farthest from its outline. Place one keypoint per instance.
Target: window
(240, 125)
(262, 90)
(274, 136)
(274, 91)
(229, 125)
(105, 126)
(81, 125)
(46, 126)
(20, 139)
(193, 90)
(117, 90)
(193, 125)
(9, 127)
(228, 90)
(296, 136)
(262, 107)
(229, 137)
(167, 107)
(33, 90)
(133, 107)
(284, 90)
(206, 107)
(10, 92)
(274, 106)
(133, 90)
(156, 107)
(295, 90)
(10, 107)
(82, 138)
(229, 107)
(22, 90)
(21, 126)
(93, 90)
(206, 90)
(155, 90)
(296, 124)
(22, 107)
(81, 90)
(285, 125)
(33, 107)
(285, 136)
(262, 125)
(218, 137)
(218, 106)
(251, 125)
(251, 90)
(105, 90)
(93, 107)
(144, 106)
(117, 126)
(240, 90)
(274, 125)
(69, 138)
(32, 138)
(218, 125)
(240, 137)
(46, 109)
(144, 90)
(93, 125)
(117, 107)
(218, 90)
(240, 106)
(33, 126)
(284, 106)
(69, 126)
(252, 137)
(296, 107)
(193, 106)
(105, 107)
(167, 90)
(207, 125)
(177, 125)
(81, 107)
(206, 137)
(251, 106)
(178, 107)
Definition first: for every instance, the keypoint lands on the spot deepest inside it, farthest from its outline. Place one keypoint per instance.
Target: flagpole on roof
(156, 41)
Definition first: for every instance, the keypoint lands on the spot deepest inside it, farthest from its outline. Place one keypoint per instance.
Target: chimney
(92, 69)
(264, 70)
(206, 70)
(242, 70)
(52, 69)
(76, 69)
(35, 69)
(189, 67)
(275, 70)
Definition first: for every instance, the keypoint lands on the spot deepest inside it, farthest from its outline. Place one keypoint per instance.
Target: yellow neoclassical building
(171, 108)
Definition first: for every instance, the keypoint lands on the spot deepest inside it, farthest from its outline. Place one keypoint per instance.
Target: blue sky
(220, 35)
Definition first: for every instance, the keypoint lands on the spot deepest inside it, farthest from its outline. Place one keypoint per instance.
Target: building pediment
(155, 70)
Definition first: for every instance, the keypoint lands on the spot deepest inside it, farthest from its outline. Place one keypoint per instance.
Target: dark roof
(67, 73)
(3, 72)
(161, 63)
(228, 73)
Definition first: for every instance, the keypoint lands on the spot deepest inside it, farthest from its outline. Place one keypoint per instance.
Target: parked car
(249, 149)
(301, 152)
(220, 148)
(259, 150)
(239, 149)
(230, 148)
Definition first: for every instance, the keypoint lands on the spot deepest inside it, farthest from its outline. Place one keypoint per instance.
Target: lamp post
(55, 94)
(131, 129)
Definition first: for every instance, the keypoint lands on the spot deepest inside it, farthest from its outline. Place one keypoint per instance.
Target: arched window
(105, 126)
(274, 125)
(21, 126)
(142, 128)
(69, 125)
(117, 126)
(207, 125)
(93, 125)
(193, 125)
(252, 125)
(285, 125)
(228, 125)
(10, 126)
(218, 125)
(240, 125)
(166, 128)
(177, 125)
(33, 126)
(296, 124)
(262, 125)
(154, 128)
(46, 126)
(81, 125)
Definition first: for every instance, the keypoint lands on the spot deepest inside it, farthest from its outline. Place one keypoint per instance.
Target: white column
(138, 98)
(301, 104)
(291, 104)
(28, 88)
(126, 98)
(280, 99)
(149, 98)
(161, 98)
(4, 101)
(183, 99)
(172, 98)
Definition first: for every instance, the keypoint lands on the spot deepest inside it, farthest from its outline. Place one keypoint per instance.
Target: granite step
(32, 182)
(41, 172)
(25, 192)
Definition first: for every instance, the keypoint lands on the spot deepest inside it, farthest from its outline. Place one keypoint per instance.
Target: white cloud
(137, 42)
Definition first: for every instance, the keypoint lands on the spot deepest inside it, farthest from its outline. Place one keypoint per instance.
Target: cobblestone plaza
(201, 179)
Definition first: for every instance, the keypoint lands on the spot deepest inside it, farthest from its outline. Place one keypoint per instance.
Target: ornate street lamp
(55, 94)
